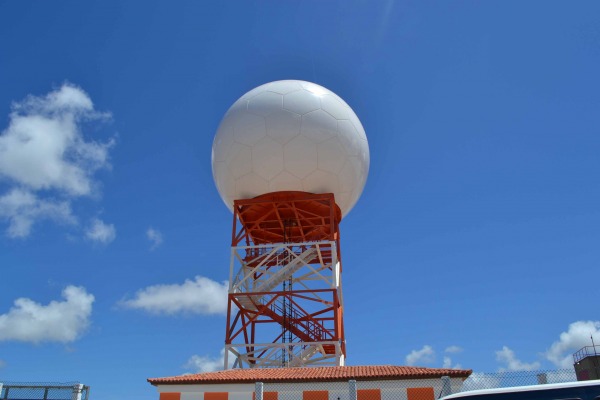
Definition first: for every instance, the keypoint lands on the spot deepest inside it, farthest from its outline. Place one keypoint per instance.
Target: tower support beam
(285, 305)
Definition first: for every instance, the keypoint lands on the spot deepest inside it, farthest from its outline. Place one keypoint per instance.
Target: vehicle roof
(548, 386)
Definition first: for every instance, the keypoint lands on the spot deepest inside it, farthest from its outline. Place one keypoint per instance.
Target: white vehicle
(585, 390)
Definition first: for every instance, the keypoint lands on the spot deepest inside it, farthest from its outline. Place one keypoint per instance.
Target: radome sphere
(290, 136)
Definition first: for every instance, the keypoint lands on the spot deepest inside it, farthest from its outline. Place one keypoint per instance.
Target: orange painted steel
(286, 217)
(282, 217)
(320, 325)
(289, 218)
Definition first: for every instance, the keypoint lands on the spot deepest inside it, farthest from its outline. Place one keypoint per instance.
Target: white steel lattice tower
(290, 159)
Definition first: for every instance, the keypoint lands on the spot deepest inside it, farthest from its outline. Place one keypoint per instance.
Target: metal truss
(268, 355)
(285, 283)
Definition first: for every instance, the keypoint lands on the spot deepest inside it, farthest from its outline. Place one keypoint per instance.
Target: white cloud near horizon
(101, 232)
(478, 380)
(561, 375)
(58, 321)
(448, 364)
(453, 349)
(200, 364)
(447, 360)
(199, 296)
(424, 356)
(512, 363)
(44, 156)
(576, 337)
(155, 237)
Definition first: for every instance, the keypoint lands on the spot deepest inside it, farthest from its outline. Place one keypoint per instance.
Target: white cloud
(101, 232)
(448, 363)
(424, 356)
(453, 349)
(481, 381)
(43, 150)
(561, 375)
(22, 208)
(508, 357)
(200, 364)
(155, 237)
(577, 336)
(59, 321)
(198, 296)
(2, 363)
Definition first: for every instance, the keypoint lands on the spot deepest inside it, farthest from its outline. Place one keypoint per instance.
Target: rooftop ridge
(312, 374)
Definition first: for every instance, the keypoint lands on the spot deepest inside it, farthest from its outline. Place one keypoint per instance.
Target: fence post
(352, 390)
(446, 387)
(77, 390)
(258, 391)
(542, 378)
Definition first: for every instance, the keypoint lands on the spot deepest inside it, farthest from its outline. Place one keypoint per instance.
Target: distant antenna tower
(290, 158)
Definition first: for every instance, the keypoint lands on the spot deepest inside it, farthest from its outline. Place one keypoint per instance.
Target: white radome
(290, 136)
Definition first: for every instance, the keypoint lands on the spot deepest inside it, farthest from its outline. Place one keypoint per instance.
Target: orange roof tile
(312, 374)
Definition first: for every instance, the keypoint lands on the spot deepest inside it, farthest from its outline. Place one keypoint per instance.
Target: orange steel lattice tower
(285, 305)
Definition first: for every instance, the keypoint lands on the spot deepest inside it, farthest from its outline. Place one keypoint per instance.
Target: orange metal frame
(323, 325)
(286, 217)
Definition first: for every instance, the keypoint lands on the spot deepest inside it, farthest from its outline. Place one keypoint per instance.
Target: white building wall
(240, 395)
(195, 388)
(196, 392)
(390, 390)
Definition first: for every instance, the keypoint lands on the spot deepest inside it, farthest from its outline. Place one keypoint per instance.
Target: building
(374, 382)
(587, 363)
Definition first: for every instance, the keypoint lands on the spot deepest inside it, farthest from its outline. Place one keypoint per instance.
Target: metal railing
(43, 391)
(586, 351)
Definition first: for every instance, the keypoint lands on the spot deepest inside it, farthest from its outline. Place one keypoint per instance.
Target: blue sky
(475, 242)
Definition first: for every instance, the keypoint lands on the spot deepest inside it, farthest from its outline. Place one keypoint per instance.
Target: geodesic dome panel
(290, 136)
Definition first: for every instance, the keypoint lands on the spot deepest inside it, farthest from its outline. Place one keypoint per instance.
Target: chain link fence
(427, 389)
(413, 389)
(517, 378)
(43, 391)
